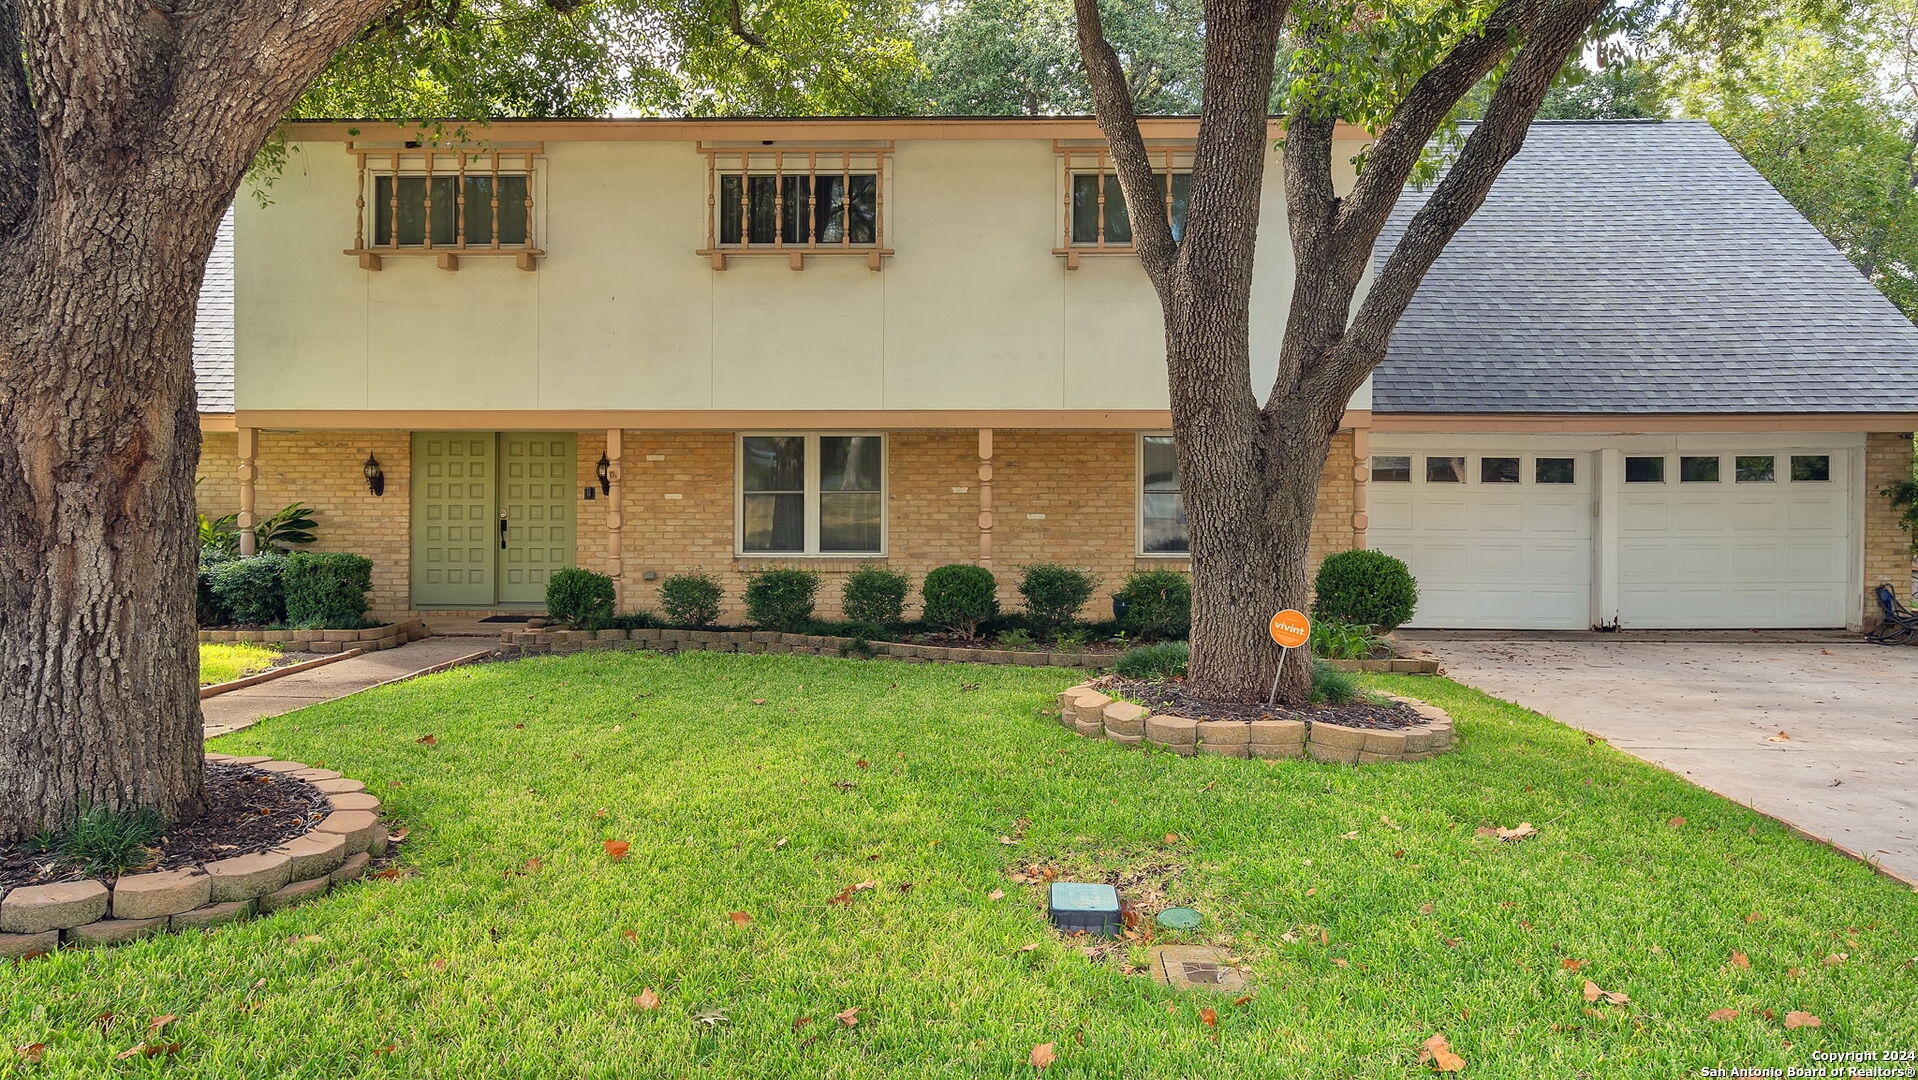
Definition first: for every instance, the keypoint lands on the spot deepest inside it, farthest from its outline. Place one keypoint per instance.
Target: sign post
(1290, 629)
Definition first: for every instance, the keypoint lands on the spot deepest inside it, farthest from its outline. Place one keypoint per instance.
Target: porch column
(1361, 478)
(615, 520)
(247, 470)
(985, 497)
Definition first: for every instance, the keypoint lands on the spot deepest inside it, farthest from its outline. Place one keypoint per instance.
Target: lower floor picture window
(1161, 506)
(812, 494)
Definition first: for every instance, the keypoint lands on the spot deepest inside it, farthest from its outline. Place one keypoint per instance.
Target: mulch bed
(1170, 697)
(247, 811)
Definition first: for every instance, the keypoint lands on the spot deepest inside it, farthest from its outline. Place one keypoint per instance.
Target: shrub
(781, 599)
(576, 597)
(1336, 640)
(104, 842)
(1166, 660)
(959, 597)
(1054, 594)
(875, 595)
(326, 590)
(1366, 587)
(1330, 686)
(1157, 604)
(638, 620)
(1016, 638)
(250, 589)
(691, 599)
(207, 609)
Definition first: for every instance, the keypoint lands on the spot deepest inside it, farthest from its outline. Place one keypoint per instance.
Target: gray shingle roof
(1642, 267)
(213, 326)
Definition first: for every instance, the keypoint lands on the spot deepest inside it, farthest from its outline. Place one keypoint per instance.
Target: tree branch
(19, 130)
(1492, 143)
(1112, 103)
(738, 22)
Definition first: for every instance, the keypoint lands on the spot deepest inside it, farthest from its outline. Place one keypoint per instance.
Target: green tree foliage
(1019, 57)
(1827, 110)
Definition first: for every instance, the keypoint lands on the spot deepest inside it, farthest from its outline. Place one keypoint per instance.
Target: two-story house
(1639, 389)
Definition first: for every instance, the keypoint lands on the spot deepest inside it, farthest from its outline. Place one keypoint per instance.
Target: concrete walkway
(243, 708)
(1847, 771)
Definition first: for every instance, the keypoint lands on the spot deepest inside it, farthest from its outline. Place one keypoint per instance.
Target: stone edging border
(536, 642)
(1095, 715)
(39, 918)
(373, 638)
(244, 681)
(1398, 665)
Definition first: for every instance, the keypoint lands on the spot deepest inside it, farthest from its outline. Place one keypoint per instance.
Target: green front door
(492, 516)
(536, 502)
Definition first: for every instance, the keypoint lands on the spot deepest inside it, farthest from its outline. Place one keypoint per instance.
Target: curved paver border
(1095, 715)
(39, 918)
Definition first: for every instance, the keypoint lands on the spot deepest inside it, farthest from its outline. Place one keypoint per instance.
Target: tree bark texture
(1250, 469)
(124, 132)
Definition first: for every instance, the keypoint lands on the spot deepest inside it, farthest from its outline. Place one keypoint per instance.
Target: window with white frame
(805, 494)
(1161, 507)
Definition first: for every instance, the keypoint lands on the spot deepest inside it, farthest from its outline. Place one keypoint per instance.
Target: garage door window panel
(1391, 469)
(1555, 470)
(1810, 468)
(1755, 470)
(1445, 470)
(1644, 470)
(1698, 470)
(1498, 470)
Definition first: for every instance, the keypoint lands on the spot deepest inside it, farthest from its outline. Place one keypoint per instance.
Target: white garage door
(1727, 539)
(1501, 539)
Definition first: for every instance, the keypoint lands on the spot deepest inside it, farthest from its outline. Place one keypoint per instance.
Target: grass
(1370, 914)
(224, 663)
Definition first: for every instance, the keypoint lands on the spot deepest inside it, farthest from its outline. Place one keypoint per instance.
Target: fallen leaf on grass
(1754, 917)
(1171, 838)
(159, 1022)
(1836, 959)
(1570, 964)
(1719, 1016)
(1802, 1019)
(1007, 840)
(1025, 948)
(437, 965)
(31, 1053)
(1439, 1053)
(427, 740)
(710, 1017)
(781, 842)
(1741, 961)
(1613, 997)
(801, 1022)
(849, 1017)
(1512, 835)
(1042, 1056)
(150, 1050)
(631, 936)
(647, 999)
(846, 894)
(1208, 1017)
(618, 849)
(740, 918)
(1675, 822)
(996, 894)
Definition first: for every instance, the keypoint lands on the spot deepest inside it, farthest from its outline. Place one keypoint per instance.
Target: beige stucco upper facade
(972, 310)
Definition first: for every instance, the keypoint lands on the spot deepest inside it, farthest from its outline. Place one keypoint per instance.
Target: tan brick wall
(1887, 546)
(677, 499)
(323, 470)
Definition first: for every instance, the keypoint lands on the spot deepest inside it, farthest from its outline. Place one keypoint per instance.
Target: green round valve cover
(1179, 918)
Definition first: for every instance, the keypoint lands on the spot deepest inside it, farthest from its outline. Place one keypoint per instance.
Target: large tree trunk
(124, 131)
(98, 443)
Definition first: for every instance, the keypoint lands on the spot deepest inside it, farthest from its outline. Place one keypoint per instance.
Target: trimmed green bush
(691, 599)
(959, 597)
(576, 597)
(1157, 603)
(250, 589)
(1331, 686)
(326, 590)
(781, 599)
(1366, 587)
(875, 595)
(1054, 595)
(207, 609)
(1166, 660)
(638, 620)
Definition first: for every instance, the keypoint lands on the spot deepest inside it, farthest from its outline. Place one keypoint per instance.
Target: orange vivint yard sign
(1291, 629)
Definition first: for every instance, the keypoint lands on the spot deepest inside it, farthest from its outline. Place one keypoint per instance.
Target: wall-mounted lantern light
(604, 471)
(375, 478)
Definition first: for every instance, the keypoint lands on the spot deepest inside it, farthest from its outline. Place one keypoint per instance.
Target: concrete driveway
(1711, 712)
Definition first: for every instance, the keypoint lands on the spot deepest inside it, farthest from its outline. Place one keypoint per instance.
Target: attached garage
(1637, 531)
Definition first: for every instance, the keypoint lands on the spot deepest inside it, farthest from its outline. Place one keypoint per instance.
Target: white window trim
(811, 496)
(1138, 502)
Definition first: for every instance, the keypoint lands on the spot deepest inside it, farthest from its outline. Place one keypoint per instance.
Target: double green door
(492, 516)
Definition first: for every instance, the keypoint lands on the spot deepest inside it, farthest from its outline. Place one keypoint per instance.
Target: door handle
(502, 531)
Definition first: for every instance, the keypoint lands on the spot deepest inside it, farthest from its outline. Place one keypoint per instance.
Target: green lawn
(477, 963)
(224, 663)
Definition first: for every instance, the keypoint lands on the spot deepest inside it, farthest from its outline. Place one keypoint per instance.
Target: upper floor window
(797, 202)
(1099, 210)
(812, 494)
(449, 202)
